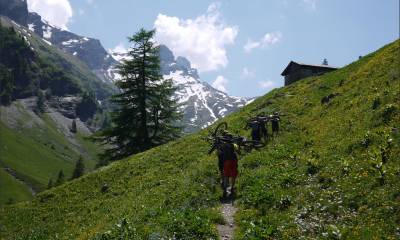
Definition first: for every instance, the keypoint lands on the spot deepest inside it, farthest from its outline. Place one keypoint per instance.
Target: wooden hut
(296, 71)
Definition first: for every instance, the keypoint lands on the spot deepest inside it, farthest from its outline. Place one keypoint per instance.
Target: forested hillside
(24, 73)
(42, 91)
(46, 63)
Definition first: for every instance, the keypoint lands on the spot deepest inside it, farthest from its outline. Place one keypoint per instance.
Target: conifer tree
(10, 201)
(48, 94)
(79, 168)
(87, 107)
(106, 121)
(60, 178)
(6, 85)
(40, 107)
(73, 127)
(50, 184)
(146, 113)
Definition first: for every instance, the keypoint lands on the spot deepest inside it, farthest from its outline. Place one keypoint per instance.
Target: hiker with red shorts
(230, 171)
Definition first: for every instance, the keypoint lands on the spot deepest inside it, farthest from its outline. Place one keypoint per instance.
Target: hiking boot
(233, 192)
(225, 194)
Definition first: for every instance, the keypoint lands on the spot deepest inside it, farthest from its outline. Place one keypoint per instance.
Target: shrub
(376, 102)
(367, 140)
(312, 166)
(284, 203)
(388, 112)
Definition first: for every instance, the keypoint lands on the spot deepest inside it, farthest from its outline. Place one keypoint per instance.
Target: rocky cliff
(17, 10)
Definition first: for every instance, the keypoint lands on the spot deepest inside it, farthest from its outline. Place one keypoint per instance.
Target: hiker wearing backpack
(264, 131)
(218, 146)
(275, 123)
(230, 163)
(263, 121)
(221, 166)
(255, 127)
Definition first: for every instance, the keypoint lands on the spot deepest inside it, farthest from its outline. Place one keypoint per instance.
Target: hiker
(221, 166)
(230, 171)
(263, 127)
(275, 123)
(255, 126)
(218, 147)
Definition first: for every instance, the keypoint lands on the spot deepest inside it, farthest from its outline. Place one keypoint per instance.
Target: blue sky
(239, 46)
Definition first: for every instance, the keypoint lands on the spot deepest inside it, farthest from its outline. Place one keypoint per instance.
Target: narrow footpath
(226, 231)
(228, 210)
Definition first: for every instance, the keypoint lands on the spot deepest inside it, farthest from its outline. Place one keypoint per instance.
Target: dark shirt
(228, 151)
(275, 123)
(255, 126)
(263, 128)
(275, 119)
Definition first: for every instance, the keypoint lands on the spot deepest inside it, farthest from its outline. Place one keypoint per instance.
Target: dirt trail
(228, 211)
(226, 231)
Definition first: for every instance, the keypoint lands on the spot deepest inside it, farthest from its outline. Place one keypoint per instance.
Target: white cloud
(267, 40)
(119, 52)
(266, 84)
(248, 73)
(311, 3)
(56, 12)
(120, 48)
(220, 83)
(202, 40)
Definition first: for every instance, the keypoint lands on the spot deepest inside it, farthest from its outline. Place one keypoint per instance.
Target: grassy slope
(318, 178)
(12, 189)
(30, 151)
(314, 180)
(37, 154)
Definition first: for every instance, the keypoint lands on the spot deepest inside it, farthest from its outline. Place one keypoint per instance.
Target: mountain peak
(169, 64)
(166, 54)
(181, 61)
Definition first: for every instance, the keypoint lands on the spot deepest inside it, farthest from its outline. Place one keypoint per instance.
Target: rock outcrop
(16, 10)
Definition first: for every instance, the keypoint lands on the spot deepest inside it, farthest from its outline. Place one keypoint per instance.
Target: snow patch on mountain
(188, 86)
(70, 42)
(49, 43)
(118, 56)
(47, 32)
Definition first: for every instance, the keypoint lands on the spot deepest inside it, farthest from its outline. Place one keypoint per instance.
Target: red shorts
(230, 168)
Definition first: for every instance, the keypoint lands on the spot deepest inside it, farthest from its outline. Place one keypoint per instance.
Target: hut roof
(287, 69)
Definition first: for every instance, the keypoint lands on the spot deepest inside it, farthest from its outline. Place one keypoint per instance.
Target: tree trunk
(143, 101)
